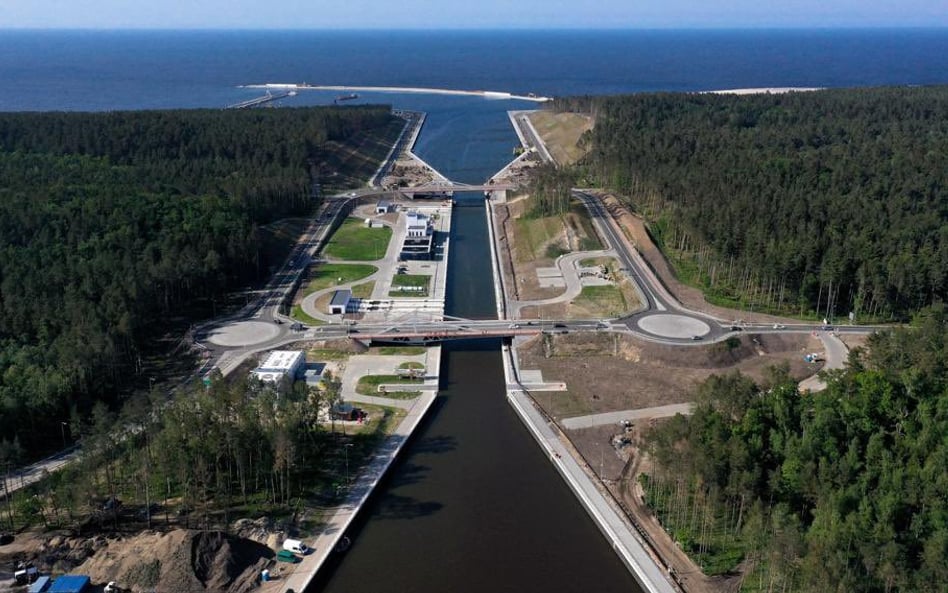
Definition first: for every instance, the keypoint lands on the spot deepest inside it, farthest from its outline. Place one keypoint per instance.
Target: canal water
(473, 505)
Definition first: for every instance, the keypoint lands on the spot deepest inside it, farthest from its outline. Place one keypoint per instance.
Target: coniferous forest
(112, 224)
(841, 490)
(830, 202)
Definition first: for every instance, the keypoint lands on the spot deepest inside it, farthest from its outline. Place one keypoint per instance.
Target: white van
(295, 546)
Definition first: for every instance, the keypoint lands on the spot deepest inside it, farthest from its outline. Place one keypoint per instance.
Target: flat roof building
(280, 364)
(340, 302)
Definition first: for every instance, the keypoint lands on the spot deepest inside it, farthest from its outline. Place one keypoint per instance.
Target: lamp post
(345, 450)
(62, 430)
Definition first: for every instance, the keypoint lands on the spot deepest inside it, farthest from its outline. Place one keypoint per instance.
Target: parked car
(287, 556)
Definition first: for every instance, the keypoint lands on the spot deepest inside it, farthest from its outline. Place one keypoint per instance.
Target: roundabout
(242, 333)
(673, 326)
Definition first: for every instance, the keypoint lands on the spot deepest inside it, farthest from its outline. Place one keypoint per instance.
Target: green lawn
(353, 241)
(415, 285)
(411, 365)
(369, 385)
(298, 314)
(599, 301)
(533, 234)
(324, 276)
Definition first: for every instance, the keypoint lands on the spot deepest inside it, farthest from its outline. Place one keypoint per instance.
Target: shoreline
(778, 90)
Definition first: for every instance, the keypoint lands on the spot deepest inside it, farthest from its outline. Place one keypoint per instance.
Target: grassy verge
(298, 314)
(561, 133)
(412, 285)
(533, 236)
(411, 365)
(323, 276)
(354, 241)
(369, 385)
(398, 350)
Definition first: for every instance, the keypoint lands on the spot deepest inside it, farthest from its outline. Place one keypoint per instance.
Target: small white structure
(295, 546)
(418, 225)
(279, 364)
(383, 207)
(340, 302)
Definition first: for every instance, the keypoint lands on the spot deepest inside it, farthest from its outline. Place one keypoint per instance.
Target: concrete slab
(673, 326)
(243, 333)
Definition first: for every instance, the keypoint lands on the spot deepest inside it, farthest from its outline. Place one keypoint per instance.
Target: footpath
(608, 516)
(362, 487)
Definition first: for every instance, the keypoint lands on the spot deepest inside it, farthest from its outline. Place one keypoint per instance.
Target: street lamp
(62, 430)
(345, 450)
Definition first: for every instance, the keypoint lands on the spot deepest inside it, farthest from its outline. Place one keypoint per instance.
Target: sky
(469, 14)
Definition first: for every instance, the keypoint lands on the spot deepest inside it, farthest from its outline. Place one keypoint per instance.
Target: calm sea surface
(78, 70)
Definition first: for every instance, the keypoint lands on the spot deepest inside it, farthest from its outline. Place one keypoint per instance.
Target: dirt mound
(180, 560)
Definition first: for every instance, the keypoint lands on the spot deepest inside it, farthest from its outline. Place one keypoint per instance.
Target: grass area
(323, 276)
(298, 314)
(364, 290)
(354, 241)
(562, 404)
(398, 350)
(415, 285)
(581, 223)
(533, 235)
(601, 301)
(323, 354)
(369, 385)
(411, 364)
(561, 133)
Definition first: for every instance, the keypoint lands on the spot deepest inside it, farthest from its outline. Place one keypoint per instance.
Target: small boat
(348, 97)
(343, 544)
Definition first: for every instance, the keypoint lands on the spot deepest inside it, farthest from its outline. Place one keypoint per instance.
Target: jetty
(498, 95)
(262, 100)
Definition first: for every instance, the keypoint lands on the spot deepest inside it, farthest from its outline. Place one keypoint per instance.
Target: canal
(474, 505)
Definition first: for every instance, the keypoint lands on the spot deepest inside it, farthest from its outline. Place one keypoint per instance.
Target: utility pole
(62, 429)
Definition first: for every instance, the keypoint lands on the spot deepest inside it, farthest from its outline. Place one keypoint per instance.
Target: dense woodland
(112, 225)
(843, 490)
(830, 201)
(237, 448)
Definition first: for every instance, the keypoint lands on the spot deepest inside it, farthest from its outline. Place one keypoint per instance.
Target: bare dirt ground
(169, 560)
(610, 372)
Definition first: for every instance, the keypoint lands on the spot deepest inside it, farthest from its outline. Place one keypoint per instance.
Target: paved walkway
(616, 417)
(568, 265)
(297, 577)
(608, 516)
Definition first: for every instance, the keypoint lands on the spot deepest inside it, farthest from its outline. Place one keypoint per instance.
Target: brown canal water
(473, 505)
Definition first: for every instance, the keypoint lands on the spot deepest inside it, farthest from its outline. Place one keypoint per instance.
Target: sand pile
(180, 560)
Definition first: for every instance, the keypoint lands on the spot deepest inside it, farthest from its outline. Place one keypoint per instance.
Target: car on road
(736, 328)
(779, 326)
(696, 338)
(513, 326)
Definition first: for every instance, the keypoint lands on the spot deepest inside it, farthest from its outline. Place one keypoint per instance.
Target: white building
(279, 364)
(418, 225)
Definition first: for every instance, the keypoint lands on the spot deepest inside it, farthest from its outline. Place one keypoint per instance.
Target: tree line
(831, 201)
(841, 490)
(112, 227)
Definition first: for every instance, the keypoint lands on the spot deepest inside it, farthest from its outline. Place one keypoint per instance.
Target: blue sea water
(467, 138)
